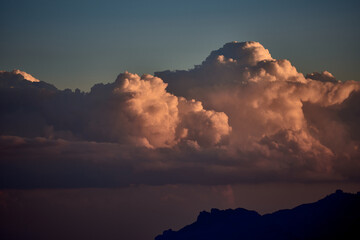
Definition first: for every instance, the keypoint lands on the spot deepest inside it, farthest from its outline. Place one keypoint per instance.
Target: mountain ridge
(336, 216)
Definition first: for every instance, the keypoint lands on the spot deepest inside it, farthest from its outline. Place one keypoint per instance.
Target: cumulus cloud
(324, 76)
(133, 109)
(244, 53)
(240, 116)
(25, 75)
(165, 119)
(269, 105)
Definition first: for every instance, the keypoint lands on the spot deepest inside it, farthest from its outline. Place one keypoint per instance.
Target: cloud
(325, 76)
(25, 75)
(160, 119)
(244, 53)
(133, 109)
(243, 117)
(269, 105)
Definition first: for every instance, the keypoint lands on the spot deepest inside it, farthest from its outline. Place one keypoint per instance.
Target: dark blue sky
(78, 43)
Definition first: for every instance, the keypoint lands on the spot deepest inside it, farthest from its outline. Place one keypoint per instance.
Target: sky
(75, 44)
(187, 106)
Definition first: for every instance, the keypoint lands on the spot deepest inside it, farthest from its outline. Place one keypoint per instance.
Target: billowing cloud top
(26, 76)
(244, 116)
(244, 53)
(325, 76)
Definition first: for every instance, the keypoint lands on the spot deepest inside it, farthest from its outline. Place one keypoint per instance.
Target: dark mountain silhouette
(336, 216)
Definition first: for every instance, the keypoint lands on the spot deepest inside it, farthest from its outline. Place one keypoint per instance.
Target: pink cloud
(245, 117)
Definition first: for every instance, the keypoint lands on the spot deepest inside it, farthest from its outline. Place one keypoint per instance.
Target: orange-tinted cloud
(244, 117)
